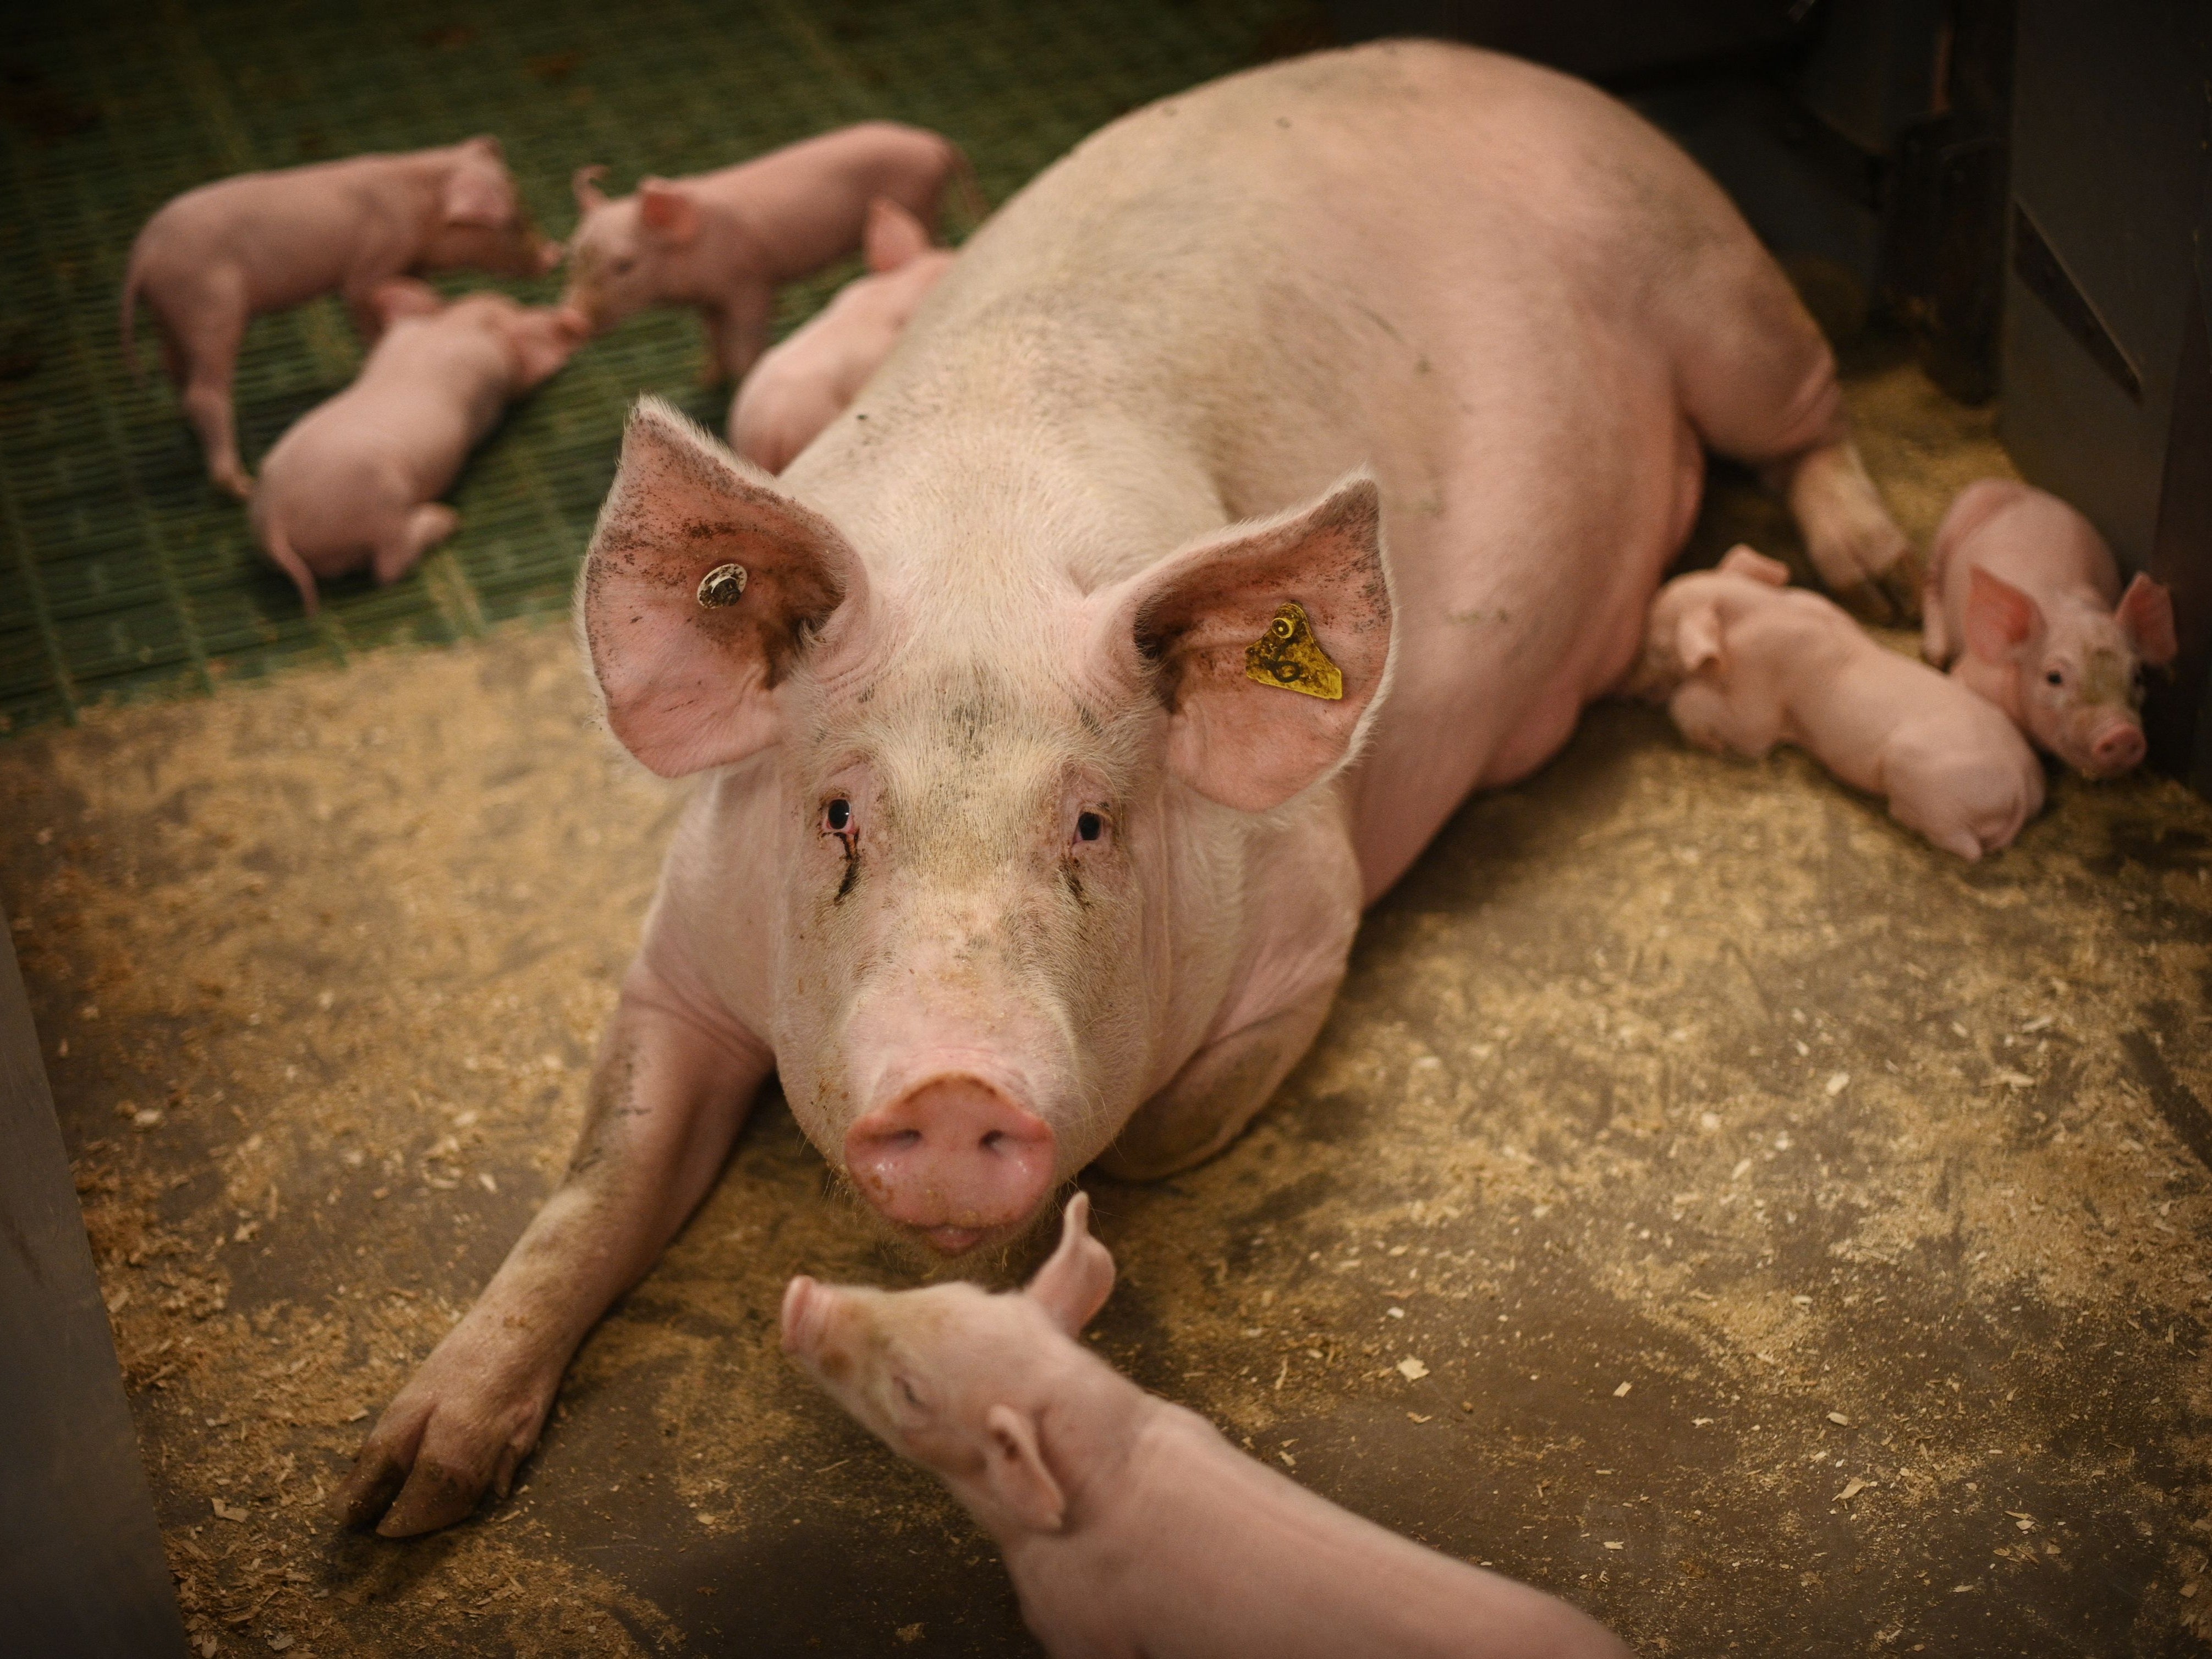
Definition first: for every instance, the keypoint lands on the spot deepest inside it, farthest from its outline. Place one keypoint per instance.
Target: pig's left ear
(1015, 1467)
(703, 587)
(1698, 640)
(1267, 642)
(1744, 560)
(2146, 613)
(1074, 1285)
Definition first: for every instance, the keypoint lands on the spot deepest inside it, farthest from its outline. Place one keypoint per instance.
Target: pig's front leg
(1218, 1091)
(667, 1098)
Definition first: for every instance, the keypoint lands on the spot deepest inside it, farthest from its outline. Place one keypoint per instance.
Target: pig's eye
(623, 267)
(1088, 826)
(2054, 678)
(906, 1392)
(837, 819)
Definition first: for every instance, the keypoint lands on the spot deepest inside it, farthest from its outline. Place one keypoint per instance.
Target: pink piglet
(805, 382)
(1130, 1526)
(355, 480)
(1744, 662)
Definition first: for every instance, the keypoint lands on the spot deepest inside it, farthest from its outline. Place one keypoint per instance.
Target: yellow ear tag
(1288, 655)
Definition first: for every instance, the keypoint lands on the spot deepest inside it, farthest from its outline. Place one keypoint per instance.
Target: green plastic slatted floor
(125, 574)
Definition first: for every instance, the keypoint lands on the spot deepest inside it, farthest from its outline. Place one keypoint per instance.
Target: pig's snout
(954, 1159)
(2115, 749)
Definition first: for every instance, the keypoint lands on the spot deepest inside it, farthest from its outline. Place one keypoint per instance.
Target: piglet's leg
(209, 350)
(1863, 558)
(421, 530)
(736, 333)
(667, 1099)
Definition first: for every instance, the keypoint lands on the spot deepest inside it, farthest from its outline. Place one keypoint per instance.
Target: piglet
(2021, 602)
(355, 480)
(229, 250)
(723, 241)
(805, 382)
(1743, 662)
(1130, 1526)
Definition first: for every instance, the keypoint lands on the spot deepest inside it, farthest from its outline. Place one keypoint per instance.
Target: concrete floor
(1804, 1234)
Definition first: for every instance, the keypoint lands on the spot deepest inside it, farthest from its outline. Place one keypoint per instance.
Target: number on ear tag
(1289, 656)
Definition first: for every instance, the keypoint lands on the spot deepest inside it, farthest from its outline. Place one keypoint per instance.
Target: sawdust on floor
(1706, 1200)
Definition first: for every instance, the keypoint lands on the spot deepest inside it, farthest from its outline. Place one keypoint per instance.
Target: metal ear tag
(1288, 655)
(724, 584)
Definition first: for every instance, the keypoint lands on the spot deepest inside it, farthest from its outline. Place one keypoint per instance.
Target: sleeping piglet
(1743, 662)
(355, 480)
(2025, 595)
(723, 241)
(1130, 1526)
(226, 252)
(805, 382)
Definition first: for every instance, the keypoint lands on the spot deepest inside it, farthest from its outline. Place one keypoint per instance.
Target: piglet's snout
(954, 1158)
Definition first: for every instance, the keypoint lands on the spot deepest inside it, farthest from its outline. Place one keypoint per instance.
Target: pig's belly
(1522, 603)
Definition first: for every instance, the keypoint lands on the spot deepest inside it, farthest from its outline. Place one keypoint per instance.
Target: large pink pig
(724, 241)
(1298, 455)
(1744, 662)
(2024, 603)
(355, 480)
(1130, 1525)
(805, 384)
(226, 252)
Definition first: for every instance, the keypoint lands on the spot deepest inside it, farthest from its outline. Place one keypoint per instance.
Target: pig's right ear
(1074, 1285)
(1697, 638)
(1014, 1465)
(1999, 619)
(584, 185)
(704, 585)
(1265, 642)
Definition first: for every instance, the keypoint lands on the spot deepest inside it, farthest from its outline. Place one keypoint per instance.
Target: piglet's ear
(2146, 616)
(1697, 638)
(2000, 619)
(703, 587)
(893, 237)
(1267, 642)
(584, 185)
(1744, 561)
(1015, 1468)
(666, 211)
(1074, 1285)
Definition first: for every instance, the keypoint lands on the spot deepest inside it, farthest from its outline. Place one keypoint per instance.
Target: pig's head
(959, 1380)
(540, 340)
(1683, 633)
(621, 252)
(2078, 668)
(481, 224)
(999, 801)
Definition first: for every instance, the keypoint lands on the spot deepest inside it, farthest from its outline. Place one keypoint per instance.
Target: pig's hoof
(235, 481)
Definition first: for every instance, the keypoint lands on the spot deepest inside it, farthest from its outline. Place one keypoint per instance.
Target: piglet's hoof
(1890, 598)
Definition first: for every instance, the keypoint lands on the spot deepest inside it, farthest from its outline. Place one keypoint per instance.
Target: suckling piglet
(1130, 1526)
(1744, 662)
(226, 252)
(355, 480)
(723, 241)
(805, 382)
(2024, 604)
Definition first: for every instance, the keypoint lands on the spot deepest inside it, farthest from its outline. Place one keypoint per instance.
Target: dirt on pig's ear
(704, 586)
(1075, 1283)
